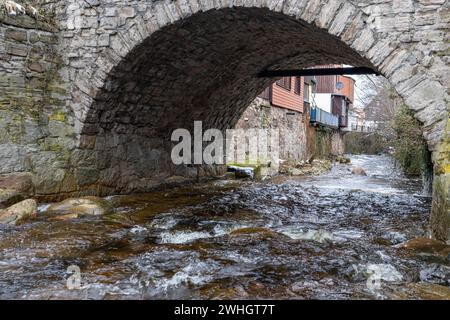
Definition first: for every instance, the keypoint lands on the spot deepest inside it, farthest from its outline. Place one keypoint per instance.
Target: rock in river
(242, 172)
(19, 213)
(343, 159)
(81, 206)
(420, 291)
(427, 246)
(264, 232)
(359, 171)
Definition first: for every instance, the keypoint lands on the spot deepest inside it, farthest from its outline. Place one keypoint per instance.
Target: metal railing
(324, 118)
(362, 128)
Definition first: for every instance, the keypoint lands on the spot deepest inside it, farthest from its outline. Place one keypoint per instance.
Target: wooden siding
(349, 87)
(326, 84)
(288, 99)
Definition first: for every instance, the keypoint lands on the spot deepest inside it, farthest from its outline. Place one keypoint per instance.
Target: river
(333, 236)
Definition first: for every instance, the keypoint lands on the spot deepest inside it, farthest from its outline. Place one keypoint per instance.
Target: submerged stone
(425, 245)
(65, 217)
(420, 291)
(253, 230)
(74, 207)
(385, 272)
(438, 274)
(314, 235)
(315, 167)
(242, 172)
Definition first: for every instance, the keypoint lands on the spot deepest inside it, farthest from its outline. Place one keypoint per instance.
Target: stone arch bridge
(90, 91)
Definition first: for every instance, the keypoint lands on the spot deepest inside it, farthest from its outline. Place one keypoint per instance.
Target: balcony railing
(362, 128)
(324, 118)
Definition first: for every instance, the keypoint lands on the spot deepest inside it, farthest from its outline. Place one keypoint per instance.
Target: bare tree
(380, 101)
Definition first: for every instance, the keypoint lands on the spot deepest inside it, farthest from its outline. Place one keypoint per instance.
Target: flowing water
(333, 236)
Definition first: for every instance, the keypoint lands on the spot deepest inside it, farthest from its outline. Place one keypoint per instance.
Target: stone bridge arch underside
(142, 69)
(203, 68)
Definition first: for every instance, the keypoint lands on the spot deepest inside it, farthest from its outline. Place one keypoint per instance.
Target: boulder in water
(75, 207)
(359, 171)
(316, 167)
(65, 217)
(343, 160)
(426, 245)
(242, 172)
(431, 291)
(264, 232)
(420, 290)
(385, 272)
(19, 213)
(438, 274)
(314, 235)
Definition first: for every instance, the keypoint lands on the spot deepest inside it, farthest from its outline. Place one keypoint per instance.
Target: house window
(306, 95)
(284, 83)
(298, 86)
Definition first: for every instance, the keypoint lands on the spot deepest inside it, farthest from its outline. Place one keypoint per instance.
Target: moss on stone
(443, 53)
(323, 143)
(411, 150)
(58, 116)
(364, 143)
(440, 212)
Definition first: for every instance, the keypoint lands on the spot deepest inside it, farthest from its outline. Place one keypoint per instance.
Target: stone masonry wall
(261, 115)
(299, 141)
(337, 143)
(36, 127)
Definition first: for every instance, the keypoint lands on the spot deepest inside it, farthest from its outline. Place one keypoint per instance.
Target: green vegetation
(364, 143)
(411, 150)
(322, 144)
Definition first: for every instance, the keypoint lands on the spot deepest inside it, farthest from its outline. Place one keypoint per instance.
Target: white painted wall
(323, 101)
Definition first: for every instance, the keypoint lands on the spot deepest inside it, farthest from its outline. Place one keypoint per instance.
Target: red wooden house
(335, 94)
(287, 93)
